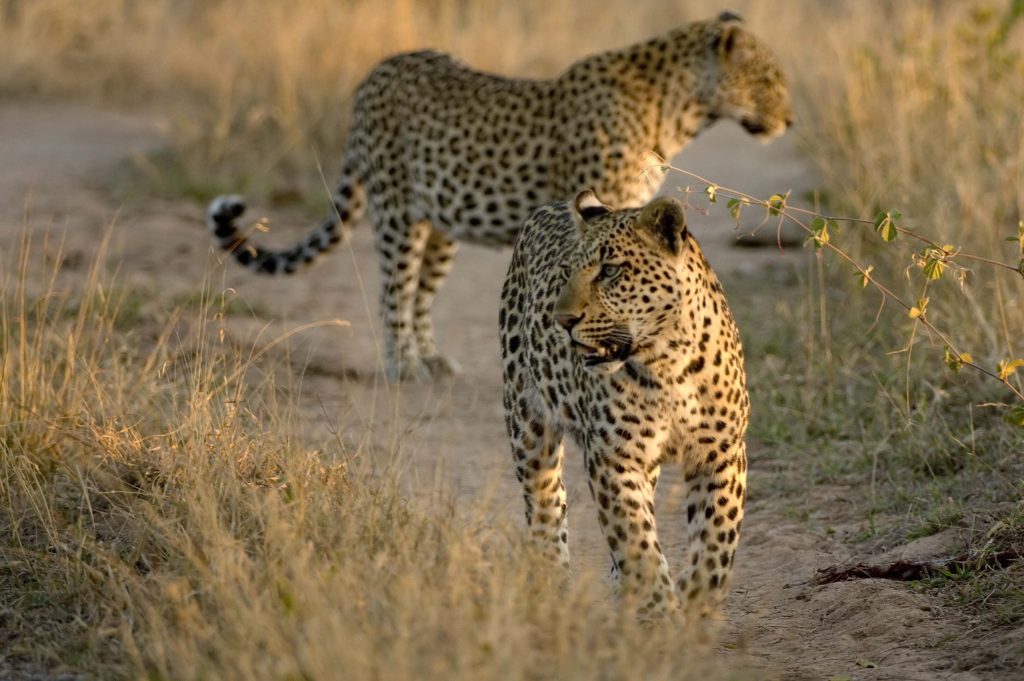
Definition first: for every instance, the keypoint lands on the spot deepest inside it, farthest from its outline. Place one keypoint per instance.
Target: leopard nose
(567, 319)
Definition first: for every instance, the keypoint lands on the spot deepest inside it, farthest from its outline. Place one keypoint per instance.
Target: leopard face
(752, 87)
(624, 281)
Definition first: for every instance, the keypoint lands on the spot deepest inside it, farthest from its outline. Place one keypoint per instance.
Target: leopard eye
(609, 271)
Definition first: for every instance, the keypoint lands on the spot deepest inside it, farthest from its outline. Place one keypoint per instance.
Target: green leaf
(712, 191)
(865, 276)
(1015, 415)
(885, 224)
(933, 268)
(956, 362)
(919, 309)
(1019, 238)
(776, 202)
(819, 231)
(735, 206)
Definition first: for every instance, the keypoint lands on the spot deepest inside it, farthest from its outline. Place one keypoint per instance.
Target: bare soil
(449, 435)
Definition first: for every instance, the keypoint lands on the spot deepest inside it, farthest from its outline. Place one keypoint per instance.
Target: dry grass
(160, 520)
(926, 118)
(921, 115)
(913, 106)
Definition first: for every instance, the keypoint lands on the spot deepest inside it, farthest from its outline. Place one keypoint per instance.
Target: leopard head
(625, 279)
(749, 85)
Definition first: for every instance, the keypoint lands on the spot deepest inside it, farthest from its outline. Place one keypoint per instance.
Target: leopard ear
(587, 206)
(731, 41)
(664, 221)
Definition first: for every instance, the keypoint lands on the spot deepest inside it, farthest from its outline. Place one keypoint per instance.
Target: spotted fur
(615, 332)
(440, 153)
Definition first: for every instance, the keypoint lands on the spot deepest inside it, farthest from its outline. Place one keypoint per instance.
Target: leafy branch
(935, 260)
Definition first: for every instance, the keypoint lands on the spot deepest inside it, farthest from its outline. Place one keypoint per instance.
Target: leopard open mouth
(764, 130)
(754, 127)
(594, 356)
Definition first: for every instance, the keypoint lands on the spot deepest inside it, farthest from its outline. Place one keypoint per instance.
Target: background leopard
(615, 331)
(440, 153)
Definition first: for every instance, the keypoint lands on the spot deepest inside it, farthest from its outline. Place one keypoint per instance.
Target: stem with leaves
(934, 261)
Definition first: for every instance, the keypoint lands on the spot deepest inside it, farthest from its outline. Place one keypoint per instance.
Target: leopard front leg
(623, 488)
(715, 492)
(655, 475)
(538, 451)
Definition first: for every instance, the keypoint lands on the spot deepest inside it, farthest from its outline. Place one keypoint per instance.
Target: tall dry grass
(915, 107)
(160, 519)
(926, 118)
(921, 112)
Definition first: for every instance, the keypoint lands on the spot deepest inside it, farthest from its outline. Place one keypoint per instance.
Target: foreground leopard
(616, 332)
(439, 153)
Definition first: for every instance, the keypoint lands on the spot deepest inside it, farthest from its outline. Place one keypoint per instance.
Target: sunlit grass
(161, 519)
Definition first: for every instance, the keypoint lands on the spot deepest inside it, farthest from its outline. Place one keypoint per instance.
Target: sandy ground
(450, 434)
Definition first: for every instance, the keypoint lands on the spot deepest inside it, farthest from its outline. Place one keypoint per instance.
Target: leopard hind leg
(438, 255)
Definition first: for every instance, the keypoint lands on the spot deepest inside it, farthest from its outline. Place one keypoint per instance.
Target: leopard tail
(349, 204)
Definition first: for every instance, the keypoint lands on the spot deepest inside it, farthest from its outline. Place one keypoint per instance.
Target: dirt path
(450, 434)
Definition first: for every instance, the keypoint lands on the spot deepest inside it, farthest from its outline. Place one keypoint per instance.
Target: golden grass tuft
(160, 519)
(924, 116)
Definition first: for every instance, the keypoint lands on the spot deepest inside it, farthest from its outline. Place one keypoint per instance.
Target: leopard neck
(680, 68)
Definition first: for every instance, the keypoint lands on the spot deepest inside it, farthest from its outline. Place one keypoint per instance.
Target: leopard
(440, 154)
(615, 335)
